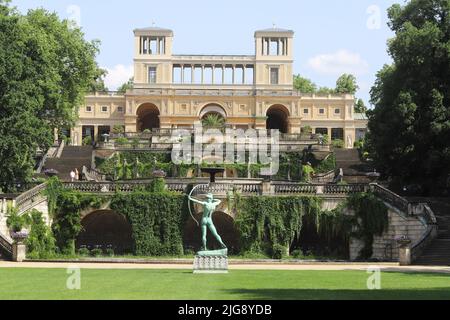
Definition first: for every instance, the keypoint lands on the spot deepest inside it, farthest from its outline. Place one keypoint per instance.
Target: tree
(409, 129)
(360, 107)
(126, 86)
(304, 85)
(98, 83)
(45, 69)
(346, 84)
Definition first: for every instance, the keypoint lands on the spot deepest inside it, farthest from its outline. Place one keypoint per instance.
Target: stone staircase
(438, 252)
(71, 158)
(354, 169)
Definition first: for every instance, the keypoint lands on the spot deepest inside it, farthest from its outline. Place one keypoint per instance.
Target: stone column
(203, 74)
(223, 74)
(192, 74)
(234, 74)
(182, 73)
(243, 74)
(213, 73)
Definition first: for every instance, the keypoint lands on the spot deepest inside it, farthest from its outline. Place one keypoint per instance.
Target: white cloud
(118, 75)
(340, 62)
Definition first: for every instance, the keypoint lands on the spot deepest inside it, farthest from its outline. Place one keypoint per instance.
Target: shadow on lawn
(341, 294)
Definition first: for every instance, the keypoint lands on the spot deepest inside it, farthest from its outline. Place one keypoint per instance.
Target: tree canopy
(46, 67)
(410, 126)
(126, 86)
(346, 84)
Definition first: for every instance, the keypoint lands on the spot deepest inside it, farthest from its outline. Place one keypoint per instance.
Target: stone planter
(404, 254)
(19, 248)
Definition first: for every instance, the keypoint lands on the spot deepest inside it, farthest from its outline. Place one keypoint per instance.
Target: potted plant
(16, 224)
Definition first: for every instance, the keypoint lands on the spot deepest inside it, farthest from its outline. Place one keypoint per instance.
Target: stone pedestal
(211, 264)
(404, 254)
(19, 252)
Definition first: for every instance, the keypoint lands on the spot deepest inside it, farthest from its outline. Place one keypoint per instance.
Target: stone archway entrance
(147, 117)
(225, 226)
(278, 118)
(106, 228)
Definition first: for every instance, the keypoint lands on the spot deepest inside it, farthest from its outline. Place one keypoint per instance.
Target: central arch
(147, 117)
(106, 228)
(278, 118)
(192, 238)
(212, 108)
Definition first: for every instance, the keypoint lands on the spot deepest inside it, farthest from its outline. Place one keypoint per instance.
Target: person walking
(72, 175)
(77, 175)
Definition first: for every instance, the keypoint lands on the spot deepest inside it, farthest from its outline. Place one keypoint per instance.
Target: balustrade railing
(392, 198)
(6, 244)
(26, 199)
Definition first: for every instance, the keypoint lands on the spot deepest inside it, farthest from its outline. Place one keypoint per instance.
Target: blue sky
(331, 37)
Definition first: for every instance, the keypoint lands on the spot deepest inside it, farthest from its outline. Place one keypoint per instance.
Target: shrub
(306, 130)
(147, 131)
(278, 252)
(97, 252)
(110, 252)
(297, 254)
(340, 144)
(40, 242)
(135, 142)
(122, 141)
(87, 141)
(117, 129)
(14, 221)
(83, 251)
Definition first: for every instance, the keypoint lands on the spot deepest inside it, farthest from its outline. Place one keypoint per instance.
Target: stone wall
(385, 248)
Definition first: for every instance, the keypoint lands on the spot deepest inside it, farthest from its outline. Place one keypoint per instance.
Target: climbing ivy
(267, 222)
(156, 219)
(371, 219)
(65, 207)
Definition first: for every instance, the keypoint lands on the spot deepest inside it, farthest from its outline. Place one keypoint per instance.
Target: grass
(38, 284)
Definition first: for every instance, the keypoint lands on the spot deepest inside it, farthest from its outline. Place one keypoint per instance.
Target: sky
(331, 37)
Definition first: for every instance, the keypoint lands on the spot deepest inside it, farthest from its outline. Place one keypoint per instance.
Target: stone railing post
(267, 188)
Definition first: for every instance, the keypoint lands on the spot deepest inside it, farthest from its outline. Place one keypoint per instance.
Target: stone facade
(248, 91)
(386, 248)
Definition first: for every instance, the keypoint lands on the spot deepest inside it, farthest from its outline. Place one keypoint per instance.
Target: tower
(152, 55)
(274, 58)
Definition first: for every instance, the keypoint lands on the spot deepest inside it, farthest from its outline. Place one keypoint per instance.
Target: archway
(278, 118)
(106, 228)
(192, 238)
(147, 117)
(213, 115)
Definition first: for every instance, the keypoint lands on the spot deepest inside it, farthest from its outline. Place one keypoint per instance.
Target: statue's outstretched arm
(196, 201)
(217, 202)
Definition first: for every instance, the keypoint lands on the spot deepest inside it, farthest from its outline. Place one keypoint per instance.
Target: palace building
(248, 91)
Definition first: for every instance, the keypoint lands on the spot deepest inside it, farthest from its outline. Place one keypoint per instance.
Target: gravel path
(265, 266)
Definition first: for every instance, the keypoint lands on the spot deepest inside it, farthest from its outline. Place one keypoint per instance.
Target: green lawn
(182, 284)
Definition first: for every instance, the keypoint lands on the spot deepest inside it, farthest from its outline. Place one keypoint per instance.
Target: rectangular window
(274, 75)
(120, 109)
(88, 108)
(322, 131)
(305, 111)
(152, 75)
(337, 111)
(104, 108)
(337, 134)
(322, 111)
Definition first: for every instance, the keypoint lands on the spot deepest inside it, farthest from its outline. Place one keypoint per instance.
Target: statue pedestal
(211, 262)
